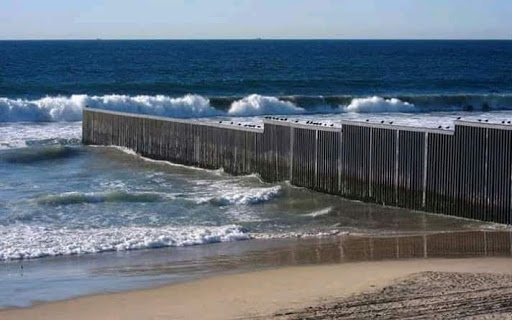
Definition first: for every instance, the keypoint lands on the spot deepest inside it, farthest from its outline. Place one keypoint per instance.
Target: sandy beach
(315, 292)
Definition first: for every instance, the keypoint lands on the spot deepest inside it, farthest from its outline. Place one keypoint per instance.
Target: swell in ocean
(69, 108)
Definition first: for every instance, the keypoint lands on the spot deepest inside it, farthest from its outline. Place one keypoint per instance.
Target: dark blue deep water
(227, 68)
(143, 76)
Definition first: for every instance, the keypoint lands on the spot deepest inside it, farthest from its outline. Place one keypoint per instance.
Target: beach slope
(287, 292)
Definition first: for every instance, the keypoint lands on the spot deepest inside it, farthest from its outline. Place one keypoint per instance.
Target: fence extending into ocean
(465, 172)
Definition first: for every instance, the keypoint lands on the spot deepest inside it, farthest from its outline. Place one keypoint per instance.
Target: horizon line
(255, 38)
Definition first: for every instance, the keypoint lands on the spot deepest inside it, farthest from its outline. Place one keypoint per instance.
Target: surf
(69, 108)
(53, 241)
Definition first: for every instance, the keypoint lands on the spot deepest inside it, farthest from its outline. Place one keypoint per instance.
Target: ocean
(77, 220)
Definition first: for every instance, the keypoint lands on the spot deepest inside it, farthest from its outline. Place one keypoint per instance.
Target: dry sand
(287, 292)
(424, 295)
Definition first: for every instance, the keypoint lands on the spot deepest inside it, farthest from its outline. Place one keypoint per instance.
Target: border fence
(465, 172)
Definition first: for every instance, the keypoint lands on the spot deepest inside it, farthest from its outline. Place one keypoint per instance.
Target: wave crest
(45, 109)
(188, 106)
(378, 104)
(196, 106)
(47, 241)
(70, 108)
(254, 105)
(250, 196)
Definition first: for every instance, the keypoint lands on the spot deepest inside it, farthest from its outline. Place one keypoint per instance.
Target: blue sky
(205, 19)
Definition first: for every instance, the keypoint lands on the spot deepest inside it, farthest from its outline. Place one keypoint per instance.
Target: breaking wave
(244, 196)
(257, 105)
(378, 104)
(69, 108)
(47, 241)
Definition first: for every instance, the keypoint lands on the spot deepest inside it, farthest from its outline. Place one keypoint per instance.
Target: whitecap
(63, 108)
(27, 242)
(243, 196)
(377, 104)
(260, 105)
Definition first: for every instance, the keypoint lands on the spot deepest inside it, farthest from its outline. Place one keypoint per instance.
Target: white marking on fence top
(222, 125)
(293, 124)
(483, 124)
(395, 127)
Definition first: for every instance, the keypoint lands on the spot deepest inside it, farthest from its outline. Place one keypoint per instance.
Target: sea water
(74, 208)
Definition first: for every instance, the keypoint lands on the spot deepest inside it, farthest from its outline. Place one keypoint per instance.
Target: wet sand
(286, 292)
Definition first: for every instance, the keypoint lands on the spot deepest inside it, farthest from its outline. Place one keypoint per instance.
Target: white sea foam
(220, 192)
(45, 109)
(19, 135)
(377, 105)
(244, 196)
(321, 212)
(70, 108)
(299, 234)
(64, 108)
(26, 242)
(133, 153)
(188, 106)
(259, 105)
(217, 192)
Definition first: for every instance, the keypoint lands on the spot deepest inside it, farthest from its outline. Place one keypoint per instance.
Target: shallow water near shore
(81, 220)
(79, 200)
(42, 280)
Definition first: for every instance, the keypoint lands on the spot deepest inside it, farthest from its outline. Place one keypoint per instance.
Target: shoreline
(252, 294)
(69, 277)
